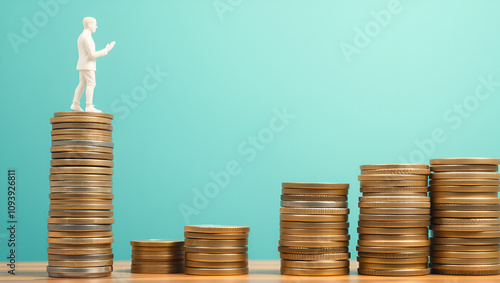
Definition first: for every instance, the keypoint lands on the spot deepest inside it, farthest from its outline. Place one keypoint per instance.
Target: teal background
(226, 77)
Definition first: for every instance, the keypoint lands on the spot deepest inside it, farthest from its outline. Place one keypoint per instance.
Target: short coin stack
(394, 219)
(80, 215)
(314, 236)
(216, 250)
(157, 256)
(465, 216)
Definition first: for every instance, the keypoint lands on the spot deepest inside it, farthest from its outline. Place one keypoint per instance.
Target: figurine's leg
(78, 93)
(90, 78)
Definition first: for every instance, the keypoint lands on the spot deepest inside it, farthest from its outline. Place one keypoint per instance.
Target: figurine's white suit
(87, 65)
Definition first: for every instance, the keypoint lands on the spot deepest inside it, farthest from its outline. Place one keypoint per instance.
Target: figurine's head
(90, 24)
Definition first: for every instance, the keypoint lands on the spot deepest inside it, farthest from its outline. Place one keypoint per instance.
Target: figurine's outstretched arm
(90, 47)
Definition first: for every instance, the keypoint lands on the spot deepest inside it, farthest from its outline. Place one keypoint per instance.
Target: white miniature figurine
(87, 65)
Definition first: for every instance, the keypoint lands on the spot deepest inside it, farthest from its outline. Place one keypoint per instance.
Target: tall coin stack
(465, 216)
(394, 219)
(80, 215)
(314, 236)
(157, 256)
(216, 250)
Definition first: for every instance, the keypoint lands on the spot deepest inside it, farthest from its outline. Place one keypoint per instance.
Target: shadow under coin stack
(314, 237)
(81, 195)
(157, 256)
(216, 250)
(394, 219)
(465, 216)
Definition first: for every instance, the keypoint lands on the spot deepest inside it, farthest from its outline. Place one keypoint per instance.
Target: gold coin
(395, 211)
(80, 132)
(394, 272)
(81, 257)
(81, 170)
(150, 257)
(389, 204)
(461, 168)
(215, 242)
(83, 220)
(80, 213)
(82, 138)
(217, 257)
(296, 231)
(82, 149)
(313, 198)
(461, 207)
(465, 272)
(314, 192)
(215, 271)
(81, 263)
(157, 264)
(466, 234)
(82, 154)
(465, 254)
(215, 250)
(394, 199)
(465, 161)
(313, 225)
(329, 256)
(400, 189)
(82, 162)
(465, 189)
(233, 236)
(314, 264)
(202, 264)
(80, 190)
(464, 182)
(79, 251)
(393, 224)
(464, 195)
(404, 237)
(80, 234)
(465, 227)
(176, 249)
(157, 243)
(314, 271)
(395, 261)
(400, 171)
(394, 243)
(393, 231)
(313, 244)
(216, 229)
(157, 270)
(394, 183)
(80, 119)
(311, 204)
(463, 261)
(386, 266)
(313, 218)
(462, 221)
(315, 250)
(392, 217)
(81, 184)
(328, 186)
(385, 249)
(85, 177)
(393, 166)
(465, 241)
(80, 246)
(465, 200)
(391, 177)
(166, 252)
(397, 194)
(465, 175)
(81, 206)
(314, 238)
(81, 241)
(464, 214)
(314, 210)
(80, 196)
(81, 201)
(83, 114)
(98, 126)
(462, 248)
(399, 255)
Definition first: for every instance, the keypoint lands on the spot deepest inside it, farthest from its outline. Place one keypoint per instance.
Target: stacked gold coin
(80, 215)
(314, 236)
(216, 250)
(394, 219)
(465, 216)
(157, 256)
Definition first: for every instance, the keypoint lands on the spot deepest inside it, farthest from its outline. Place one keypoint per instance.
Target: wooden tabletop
(260, 271)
